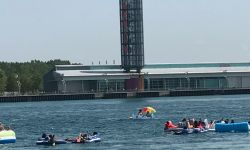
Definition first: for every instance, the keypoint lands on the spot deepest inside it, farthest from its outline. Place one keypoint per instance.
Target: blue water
(110, 119)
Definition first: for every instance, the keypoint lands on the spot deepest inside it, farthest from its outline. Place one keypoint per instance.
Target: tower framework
(132, 38)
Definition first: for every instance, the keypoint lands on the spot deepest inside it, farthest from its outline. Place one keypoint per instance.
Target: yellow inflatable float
(7, 136)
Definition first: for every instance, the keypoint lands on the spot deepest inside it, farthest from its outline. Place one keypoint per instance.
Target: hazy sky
(176, 31)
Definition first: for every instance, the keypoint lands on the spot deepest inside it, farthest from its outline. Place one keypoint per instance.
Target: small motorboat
(7, 136)
(232, 127)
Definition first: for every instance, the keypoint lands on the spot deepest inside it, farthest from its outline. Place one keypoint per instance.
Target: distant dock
(114, 95)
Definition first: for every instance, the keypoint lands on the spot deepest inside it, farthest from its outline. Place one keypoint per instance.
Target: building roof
(151, 69)
(196, 70)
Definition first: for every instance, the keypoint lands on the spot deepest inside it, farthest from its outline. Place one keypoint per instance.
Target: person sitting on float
(52, 140)
(200, 124)
(148, 114)
(169, 125)
(212, 124)
(1, 127)
(191, 122)
(47, 138)
(195, 124)
(184, 124)
(226, 121)
(140, 113)
(80, 138)
(206, 124)
(222, 120)
(84, 137)
(44, 136)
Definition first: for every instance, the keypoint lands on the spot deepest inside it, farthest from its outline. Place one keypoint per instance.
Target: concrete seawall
(209, 92)
(113, 95)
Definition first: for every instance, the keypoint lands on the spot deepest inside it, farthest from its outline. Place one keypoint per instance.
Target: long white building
(153, 77)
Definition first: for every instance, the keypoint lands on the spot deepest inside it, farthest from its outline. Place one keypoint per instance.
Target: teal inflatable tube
(232, 127)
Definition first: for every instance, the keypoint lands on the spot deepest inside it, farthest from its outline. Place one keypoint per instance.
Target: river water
(110, 119)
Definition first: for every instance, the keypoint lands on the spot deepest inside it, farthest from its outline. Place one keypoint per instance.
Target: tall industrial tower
(132, 40)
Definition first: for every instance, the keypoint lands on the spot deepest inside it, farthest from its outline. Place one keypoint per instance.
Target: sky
(86, 31)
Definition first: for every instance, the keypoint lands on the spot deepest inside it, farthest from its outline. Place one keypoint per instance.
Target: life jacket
(200, 125)
(170, 125)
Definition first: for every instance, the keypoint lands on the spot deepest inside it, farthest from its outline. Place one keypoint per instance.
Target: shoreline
(114, 95)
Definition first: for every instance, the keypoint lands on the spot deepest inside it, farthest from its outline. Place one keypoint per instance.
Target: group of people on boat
(190, 124)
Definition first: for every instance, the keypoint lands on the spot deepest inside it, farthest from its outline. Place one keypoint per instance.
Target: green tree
(36, 82)
(3, 80)
(12, 83)
(29, 74)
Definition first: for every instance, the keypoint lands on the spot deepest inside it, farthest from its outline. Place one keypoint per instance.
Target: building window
(110, 85)
(156, 84)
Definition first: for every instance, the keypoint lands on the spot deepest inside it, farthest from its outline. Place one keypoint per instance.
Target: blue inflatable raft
(232, 127)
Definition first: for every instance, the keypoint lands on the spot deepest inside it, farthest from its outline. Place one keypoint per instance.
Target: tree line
(26, 77)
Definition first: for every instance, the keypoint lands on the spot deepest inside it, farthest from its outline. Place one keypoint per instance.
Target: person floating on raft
(144, 113)
(85, 138)
(49, 140)
(81, 138)
(140, 113)
(169, 125)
